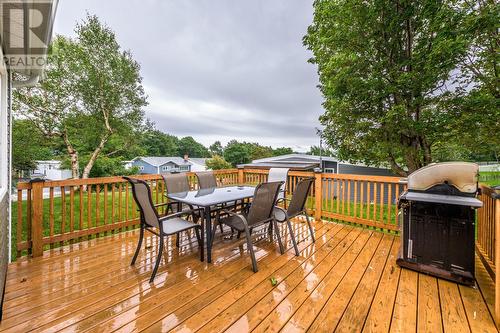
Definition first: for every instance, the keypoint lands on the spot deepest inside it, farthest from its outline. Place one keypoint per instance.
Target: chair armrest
(283, 199)
(280, 208)
(240, 216)
(162, 204)
(228, 212)
(185, 212)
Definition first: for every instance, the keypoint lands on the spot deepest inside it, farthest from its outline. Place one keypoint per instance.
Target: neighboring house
(489, 167)
(158, 164)
(127, 164)
(50, 170)
(26, 31)
(304, 162)
(198, 164)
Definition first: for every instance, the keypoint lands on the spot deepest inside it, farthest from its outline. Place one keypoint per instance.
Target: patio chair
(206, 179)
(279, 175)
(160, 226)
(177, 183)
(259, 213)
(296, 206)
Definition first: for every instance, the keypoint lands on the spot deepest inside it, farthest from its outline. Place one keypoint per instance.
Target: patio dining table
(207, 199)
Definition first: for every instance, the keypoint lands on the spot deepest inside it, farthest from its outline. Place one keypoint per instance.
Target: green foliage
(257, 151)
(237, 153)
(244, 152)
(91, 98)
(282, 151)
(157, 143)
(189, 146)
(107, 166)
(217, 163)
(326, 151)
(28, 146)
(383, 69)
(476, 102)
(216, 148)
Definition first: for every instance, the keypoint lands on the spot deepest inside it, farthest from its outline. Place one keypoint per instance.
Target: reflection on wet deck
(347, 281)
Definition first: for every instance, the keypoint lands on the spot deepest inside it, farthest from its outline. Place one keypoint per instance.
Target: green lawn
(490, 178)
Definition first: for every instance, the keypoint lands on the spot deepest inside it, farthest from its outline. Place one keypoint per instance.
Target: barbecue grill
(437, 213)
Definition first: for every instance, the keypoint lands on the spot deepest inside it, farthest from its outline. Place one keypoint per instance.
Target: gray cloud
(218, 69)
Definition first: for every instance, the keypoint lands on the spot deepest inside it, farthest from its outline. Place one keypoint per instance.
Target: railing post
(318, 194)
(241, 176)
(37, 217)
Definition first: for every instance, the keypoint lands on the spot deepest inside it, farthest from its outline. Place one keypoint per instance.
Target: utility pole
(320, 133)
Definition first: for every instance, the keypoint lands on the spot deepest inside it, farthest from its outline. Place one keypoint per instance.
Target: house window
(141, 168)
(165, 168)
(329, 170)
(184, 168)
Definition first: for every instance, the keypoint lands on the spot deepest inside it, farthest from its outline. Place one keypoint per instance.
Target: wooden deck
(347, 282)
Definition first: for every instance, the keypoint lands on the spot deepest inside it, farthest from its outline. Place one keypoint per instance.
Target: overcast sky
(218, 69)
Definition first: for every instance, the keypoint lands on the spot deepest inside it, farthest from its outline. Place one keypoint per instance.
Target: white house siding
(52, 170)
(5, 176)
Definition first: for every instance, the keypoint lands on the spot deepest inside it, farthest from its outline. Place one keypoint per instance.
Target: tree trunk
(93, 157)
(73, 154)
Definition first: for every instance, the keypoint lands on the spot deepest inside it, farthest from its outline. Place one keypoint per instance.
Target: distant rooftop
(160, 160)
(292, 158)
(198, 160)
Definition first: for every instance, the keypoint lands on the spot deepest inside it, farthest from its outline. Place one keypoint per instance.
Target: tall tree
(157, 143)
(216, 148)
(237, 153)
(218, 163)
(476, 101)
(189, 146)
(282, 151)
(383, 67)
(92, 95)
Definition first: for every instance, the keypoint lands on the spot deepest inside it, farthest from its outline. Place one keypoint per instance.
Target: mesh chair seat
(174, 225)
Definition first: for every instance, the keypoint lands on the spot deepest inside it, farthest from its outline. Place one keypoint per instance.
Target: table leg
(202, 241)
(208, 232)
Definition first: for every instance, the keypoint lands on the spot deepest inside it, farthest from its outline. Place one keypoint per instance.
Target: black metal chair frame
(248, 226)
(159, 221)
(301, 211)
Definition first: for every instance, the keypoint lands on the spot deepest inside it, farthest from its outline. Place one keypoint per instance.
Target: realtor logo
(25, 32)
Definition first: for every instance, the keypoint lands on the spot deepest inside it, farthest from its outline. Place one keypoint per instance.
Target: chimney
(186, 157)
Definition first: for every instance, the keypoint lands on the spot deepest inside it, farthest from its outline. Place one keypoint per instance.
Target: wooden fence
(53, 213)
(488, 239)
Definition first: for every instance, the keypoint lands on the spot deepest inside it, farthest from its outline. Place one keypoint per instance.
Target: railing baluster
(51, 215)
(71, 210)
(63, 213)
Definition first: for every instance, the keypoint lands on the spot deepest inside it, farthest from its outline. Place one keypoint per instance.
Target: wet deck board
(346, 281)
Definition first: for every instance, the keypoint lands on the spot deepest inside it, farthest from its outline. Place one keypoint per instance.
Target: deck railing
(488, 238)
(53, 213)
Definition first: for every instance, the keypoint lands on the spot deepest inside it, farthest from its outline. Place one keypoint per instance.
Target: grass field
(490, 178)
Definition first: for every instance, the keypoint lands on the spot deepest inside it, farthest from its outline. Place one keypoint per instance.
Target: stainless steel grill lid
(462, 175)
